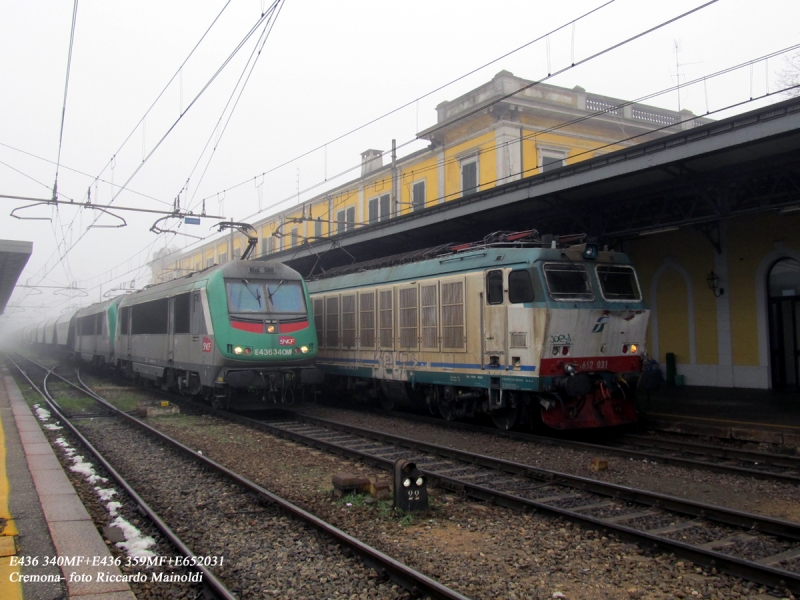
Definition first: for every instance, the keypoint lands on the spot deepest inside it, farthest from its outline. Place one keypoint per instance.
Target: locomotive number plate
(589, 365)
(272, 352)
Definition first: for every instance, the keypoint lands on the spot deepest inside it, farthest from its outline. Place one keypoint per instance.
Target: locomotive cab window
(265, 297)
(618, 282)
(494, 287)
(520, 288)
(566, 281)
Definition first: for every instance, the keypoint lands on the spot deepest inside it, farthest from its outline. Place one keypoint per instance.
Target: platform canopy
(13, 258)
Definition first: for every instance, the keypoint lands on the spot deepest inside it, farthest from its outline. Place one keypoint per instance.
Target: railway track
(680, 453)
(761, 549)
(415, 582)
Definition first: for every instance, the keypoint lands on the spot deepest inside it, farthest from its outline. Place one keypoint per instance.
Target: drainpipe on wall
(395, 199)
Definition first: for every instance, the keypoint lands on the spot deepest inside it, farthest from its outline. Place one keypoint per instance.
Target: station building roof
(14, 256)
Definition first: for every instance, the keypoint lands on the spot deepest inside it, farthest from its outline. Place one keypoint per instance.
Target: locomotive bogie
(520, 334)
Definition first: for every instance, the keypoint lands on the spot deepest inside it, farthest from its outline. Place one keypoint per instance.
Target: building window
(372, 210)
(469, 175)
(237, 253)
(346, 219)
(317, 229)
(379, 208)
(266, 245)
(223, 258)
(294, 237)
(551, 159)
(418, 195)
(209, 262)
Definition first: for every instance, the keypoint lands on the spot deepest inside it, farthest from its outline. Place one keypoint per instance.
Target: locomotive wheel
(387, 403)
(506, 418)
(446, 410)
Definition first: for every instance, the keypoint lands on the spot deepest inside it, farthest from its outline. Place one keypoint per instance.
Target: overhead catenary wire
(67, 168)
(274, 9)
(66, 88)
(411, 102)
(113, 157)
(483, 107)
(205, 87)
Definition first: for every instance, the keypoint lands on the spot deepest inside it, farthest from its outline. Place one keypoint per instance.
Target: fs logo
(601, 323)
(206, 345)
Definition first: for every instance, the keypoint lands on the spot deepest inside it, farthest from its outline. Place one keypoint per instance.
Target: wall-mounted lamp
(713, 284)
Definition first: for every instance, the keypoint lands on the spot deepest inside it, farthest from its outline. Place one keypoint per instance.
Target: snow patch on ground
(135, 543)
(42, 413)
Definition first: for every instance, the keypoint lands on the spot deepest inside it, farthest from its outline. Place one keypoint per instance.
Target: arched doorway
(783, 288)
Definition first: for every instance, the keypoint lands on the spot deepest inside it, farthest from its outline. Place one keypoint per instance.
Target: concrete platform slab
(43, 448)
(29, 424)
(44, 462)
(80, 539)
(52, 482)
(109, 596)
(32, 437)
(63, 507)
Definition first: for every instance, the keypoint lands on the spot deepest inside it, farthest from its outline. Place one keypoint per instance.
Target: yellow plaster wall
(423, 170)
(319, 210)
(487, 164)
(749, 241)
(350, 198)
(690, 250)
(468, 127)
(673, 317)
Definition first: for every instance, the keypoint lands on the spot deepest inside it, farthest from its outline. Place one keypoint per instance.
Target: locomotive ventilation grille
(519, 339)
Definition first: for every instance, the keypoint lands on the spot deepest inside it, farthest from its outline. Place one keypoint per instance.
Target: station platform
(763, 416)
(42, 517)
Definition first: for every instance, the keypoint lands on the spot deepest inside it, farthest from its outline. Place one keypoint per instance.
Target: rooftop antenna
(678, 66)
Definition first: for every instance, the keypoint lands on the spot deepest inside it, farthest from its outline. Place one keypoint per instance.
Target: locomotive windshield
(618, 283)
(258, 296)
(566, 281)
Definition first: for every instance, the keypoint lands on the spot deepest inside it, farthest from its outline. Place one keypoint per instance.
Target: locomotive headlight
(270, 328)
(304, 349)
(406, 482)
(238, 350)
(248, 351)
(420, 481)
(634, 348)
(555, 350)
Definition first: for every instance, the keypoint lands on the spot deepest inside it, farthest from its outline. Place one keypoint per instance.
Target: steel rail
(210, 581)
(753, 456)
(400, 573)
(760, 458)
(761, 573)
